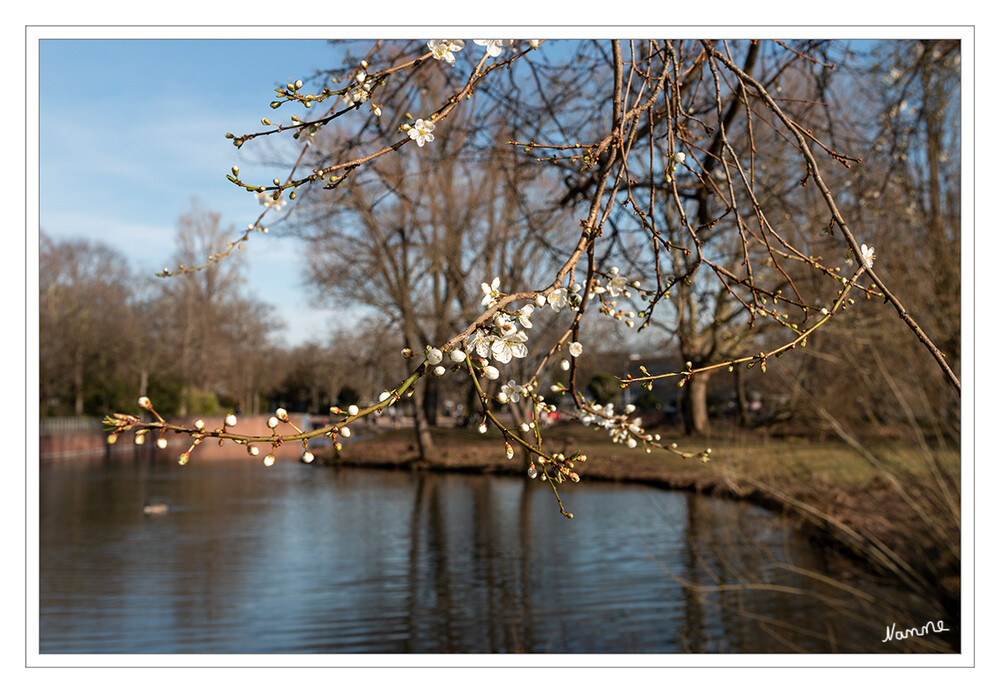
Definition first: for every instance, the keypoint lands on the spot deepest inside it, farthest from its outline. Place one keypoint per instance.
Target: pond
(300, 558)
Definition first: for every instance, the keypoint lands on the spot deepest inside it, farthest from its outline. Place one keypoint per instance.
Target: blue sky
(132, 131)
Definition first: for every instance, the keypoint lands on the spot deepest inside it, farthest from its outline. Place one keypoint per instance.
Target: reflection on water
(300, 559)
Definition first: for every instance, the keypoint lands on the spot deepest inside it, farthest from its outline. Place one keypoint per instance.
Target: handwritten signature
(929, 627)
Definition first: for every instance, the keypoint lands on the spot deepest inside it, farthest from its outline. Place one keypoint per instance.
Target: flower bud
(269, 460)
(281, 414)
(231, 420)
(200, 425)
(491, 372)
(140, 439)
(308, 457)
(384, 396)
(161, 443)
(183, 459)
(345, 432)
(439, 370)
(456, 355)
(407, 352)
(434, 356)
(353, 410)
(509, 451)
(253, 450)
(564, 364)
(112, 439)
(145, 403)
(272, 422)
(482, 427)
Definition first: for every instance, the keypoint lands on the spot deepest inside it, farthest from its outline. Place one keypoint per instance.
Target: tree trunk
(742, 417)
(695, 407)
(78, 388)
(430, 401)
(421, 427)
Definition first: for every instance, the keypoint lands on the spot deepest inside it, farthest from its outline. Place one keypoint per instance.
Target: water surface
(303, 559)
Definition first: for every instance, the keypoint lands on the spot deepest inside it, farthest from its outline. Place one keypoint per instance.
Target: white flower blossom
(491, 292)
(558, 299)
(267, 199)
(361, 92)
(617, 283)
(422, 131)
(575, 349)
(493, 46)
(512, 391)
(511, 346)
(480, 342)
(443, 49)
(868, 255)
(504, 324)
(524, 315)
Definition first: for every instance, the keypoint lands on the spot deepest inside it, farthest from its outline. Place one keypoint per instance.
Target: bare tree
(692, 140)
(89, 327)
(210, 331)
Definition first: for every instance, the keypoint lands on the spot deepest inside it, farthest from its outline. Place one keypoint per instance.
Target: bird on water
(155, 508)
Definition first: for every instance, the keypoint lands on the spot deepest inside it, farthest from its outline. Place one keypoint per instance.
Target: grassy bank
(891, 507)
